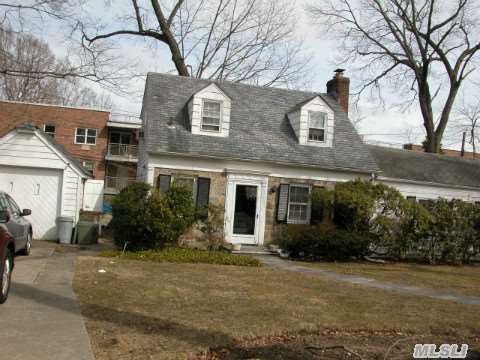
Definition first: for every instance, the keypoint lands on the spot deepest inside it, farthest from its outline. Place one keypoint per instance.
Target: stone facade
(271, 224)
(218, 187)
(218, 182)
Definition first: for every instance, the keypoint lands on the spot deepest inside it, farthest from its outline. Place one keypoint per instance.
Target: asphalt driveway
(41, 319)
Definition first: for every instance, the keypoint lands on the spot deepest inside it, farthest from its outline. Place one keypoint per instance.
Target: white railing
(123, 150)
(118, 183)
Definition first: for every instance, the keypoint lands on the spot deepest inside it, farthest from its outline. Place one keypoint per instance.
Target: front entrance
(245, 209)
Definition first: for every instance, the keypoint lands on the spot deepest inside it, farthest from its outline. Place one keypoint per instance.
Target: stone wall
(218, 182)
(271, 224)
(218, 187)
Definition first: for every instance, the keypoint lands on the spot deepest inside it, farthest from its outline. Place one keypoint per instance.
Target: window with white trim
(86, 136)
(49, 130)
(187, 182)
(298, 204)
(317, 121)
(211, 116)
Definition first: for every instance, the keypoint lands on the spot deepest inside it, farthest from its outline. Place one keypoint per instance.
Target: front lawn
(181, 255)
(461, 279)
(148, 310)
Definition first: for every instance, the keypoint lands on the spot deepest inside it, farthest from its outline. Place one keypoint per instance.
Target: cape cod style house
(258, 152)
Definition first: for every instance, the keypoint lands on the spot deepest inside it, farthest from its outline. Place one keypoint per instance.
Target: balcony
(122, 152)
(116, 184)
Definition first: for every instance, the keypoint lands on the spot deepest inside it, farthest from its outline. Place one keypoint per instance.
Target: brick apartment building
(105, 144)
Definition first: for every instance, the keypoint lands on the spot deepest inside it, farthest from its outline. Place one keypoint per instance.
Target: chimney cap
(339, 71)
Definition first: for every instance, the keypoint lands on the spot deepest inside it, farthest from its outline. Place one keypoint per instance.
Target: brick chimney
(339, 88)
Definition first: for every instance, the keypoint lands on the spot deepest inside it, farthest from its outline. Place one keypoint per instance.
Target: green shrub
(453, 235)
(128, 209)
(150, 220)
(181, 255)
(315, 242)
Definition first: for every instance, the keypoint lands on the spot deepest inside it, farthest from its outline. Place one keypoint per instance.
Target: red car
(15, 237)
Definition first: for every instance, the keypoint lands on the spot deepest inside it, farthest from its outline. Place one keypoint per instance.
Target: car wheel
(6, 276)
(28, 246)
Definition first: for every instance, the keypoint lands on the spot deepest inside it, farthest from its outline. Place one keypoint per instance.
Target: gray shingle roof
(432, 168)
(259, 128)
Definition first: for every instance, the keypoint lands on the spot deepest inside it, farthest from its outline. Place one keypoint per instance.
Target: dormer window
(316, 126)
(313, 122)
(211, 115)
(209, 112)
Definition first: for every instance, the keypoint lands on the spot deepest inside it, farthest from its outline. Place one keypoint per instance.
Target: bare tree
(239, 40)
(30, 16)
(424, 47)
(467, 119)
(33, 56)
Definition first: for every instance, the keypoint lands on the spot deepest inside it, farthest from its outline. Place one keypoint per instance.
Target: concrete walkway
(278, 263)
(41, 320)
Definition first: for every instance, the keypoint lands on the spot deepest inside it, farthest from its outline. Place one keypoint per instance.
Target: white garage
(41, 176)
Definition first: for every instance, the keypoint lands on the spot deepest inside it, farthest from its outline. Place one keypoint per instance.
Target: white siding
(27, 155)
(211, 92)
(21, 149)
(431, 191)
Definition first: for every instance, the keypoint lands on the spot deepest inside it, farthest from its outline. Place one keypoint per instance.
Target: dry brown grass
(460, 279)
(144, 310)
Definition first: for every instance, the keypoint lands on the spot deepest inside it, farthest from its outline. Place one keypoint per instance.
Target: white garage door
(36, 189)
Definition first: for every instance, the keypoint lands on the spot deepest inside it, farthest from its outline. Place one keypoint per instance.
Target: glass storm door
(245, 213)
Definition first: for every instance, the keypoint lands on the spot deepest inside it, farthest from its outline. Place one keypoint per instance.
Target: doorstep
(254, 250)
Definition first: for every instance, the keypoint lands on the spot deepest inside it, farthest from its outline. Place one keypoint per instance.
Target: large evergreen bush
(146, 219)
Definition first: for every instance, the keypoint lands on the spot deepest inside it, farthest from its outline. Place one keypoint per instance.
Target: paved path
(41, 320)
(276, 262)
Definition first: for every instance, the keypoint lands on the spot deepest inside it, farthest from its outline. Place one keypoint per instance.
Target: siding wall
(28, 150)
(425, 191)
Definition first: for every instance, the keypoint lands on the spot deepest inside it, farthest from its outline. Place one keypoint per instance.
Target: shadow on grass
(149, 325)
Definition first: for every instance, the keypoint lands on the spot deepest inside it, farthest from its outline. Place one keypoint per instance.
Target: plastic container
(64, 229)
(87, 232)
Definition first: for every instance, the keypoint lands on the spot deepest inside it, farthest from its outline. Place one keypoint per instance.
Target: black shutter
(318, 209)
(282, 205)
(163, 183)
(203, 191)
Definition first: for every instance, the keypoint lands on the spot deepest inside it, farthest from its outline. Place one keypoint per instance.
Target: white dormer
(313, 123)
(209, 112)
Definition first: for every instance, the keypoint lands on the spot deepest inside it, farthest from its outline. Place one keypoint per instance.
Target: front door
(245, 209)
(245, 214)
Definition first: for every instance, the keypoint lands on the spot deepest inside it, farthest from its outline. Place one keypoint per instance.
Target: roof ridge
(423, 153)
(220, 82)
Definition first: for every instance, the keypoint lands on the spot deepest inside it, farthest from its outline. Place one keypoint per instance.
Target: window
(412, 199)
(298, 204)
(187, 182)
(211, 115)
(86, 136)
(89, 165)
(316, 125)
(15, 209)
(49, 130)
